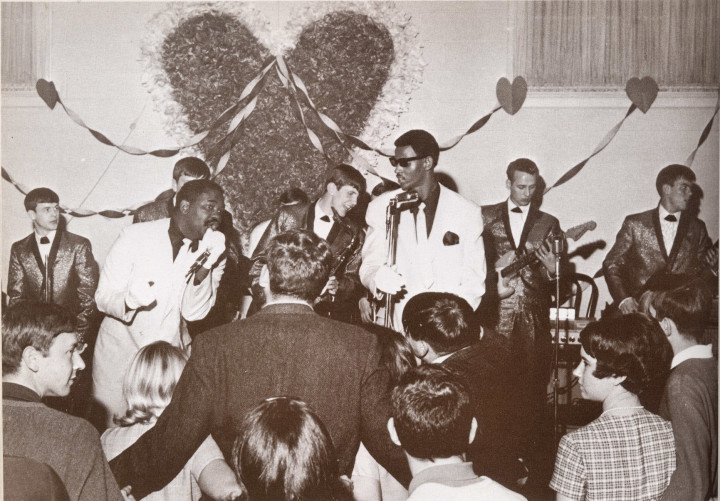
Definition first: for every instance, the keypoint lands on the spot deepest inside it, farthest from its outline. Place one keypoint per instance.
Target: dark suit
(639, 252)
(344, 240)
(73, 275)
(283, 350)
(161, 208)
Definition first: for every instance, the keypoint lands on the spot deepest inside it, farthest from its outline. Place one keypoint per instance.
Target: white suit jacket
(458, 269)
(143, 252)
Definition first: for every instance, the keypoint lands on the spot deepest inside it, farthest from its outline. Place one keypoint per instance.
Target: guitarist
(668, 239)
(523, 318)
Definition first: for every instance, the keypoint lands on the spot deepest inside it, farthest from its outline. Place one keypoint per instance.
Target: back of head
(422, 142)
(284, 452)
(40, 196)
(396, 354)
(192, 190)
(668, 175)
(31, 323)
(299, 264)
(293, 196)
(191, 167)
(150, 381)
(432, 412)
(346, 175)
(687, 305)
(443, 320)
(633, 346)
(522, 165)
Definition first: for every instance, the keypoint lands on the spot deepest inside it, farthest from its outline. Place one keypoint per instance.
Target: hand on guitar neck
(510, 263)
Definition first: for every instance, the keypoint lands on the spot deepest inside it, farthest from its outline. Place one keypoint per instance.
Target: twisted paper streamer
(606, 140)
(704, 135)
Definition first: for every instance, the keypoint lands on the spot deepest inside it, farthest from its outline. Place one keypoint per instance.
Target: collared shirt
(322, 228)
(517, 220)
(458, 482)
(431, 203)
(45, 248)
(669, 228)
(697, 351)
(177, 239)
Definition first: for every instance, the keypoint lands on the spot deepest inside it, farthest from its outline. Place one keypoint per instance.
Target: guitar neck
(518, 264)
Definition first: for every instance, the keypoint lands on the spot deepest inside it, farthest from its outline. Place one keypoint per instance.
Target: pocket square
(451, 238)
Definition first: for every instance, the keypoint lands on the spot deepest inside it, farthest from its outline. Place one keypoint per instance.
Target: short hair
(443, 320)
(422, 142)
(31, 323)
(299, 264)
(688, 306)
(633, 346)
(432, 411)
(522, 165)
(193, 189)
(283, 451)
(293, 196)
(346, 175)
(40, 196)
(396, 354)
(150, 381)
(191, 167)
(668, 175)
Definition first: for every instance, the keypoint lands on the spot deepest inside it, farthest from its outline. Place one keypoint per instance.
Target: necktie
(426, 272)
(325, 218)
(44, 240)
(516, 210)
(671, 218)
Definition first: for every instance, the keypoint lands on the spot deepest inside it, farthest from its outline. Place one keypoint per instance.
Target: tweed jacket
(639, 252)
(283, 350)
(73, 275)
(454, 260)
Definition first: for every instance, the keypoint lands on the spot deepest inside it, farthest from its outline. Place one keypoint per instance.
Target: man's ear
(31, 358)
(428, 163)
(331, 188)
(393, 432)
(184, 206)
(666, 189)
(508, 184)
(264, 279)
(473, 430)
(32, 215)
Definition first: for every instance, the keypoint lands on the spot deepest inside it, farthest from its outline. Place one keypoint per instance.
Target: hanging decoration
(705, 133)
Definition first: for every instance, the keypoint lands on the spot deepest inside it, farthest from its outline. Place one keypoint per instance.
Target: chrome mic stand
(397, 204)
(558, 248)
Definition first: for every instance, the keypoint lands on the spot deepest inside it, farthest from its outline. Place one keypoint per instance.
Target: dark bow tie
(671, 218)
(44, 240)
(516, 210)
(325, 218)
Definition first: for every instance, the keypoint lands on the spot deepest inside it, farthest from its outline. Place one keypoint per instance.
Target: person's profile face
(344, 199)
(678, 195)
(58, 369)
(522, 188)
(591, 387)
(46, 216)
(205, 212)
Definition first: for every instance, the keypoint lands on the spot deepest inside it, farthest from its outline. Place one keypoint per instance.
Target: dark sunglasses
(403, 162)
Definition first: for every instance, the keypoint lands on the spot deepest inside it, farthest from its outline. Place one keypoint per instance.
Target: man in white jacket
(156, 275)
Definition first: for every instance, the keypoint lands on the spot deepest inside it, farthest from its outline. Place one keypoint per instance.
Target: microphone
(404, 200)
(558, 244)
(202, 258)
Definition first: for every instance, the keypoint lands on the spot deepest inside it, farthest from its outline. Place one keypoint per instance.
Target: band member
(439, 243)
(325, 217)
(667, 239)
(513, 227)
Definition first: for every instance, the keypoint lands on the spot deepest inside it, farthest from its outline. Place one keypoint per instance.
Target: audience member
(372, 482)
(442, 329)
(433, 422)
(690, 400)
(41, 357)
(148, 387)
(284, 453)
(148, 287)
(627, 453)
(284, 349)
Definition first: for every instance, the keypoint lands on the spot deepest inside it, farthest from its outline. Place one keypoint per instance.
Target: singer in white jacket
(156, 275)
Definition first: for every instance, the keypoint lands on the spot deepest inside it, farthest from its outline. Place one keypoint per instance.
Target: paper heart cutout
(47, 91)
(344, 60)
(642, 93)
(511, 97)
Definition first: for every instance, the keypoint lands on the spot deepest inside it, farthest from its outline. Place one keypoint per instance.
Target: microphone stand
(557, 250)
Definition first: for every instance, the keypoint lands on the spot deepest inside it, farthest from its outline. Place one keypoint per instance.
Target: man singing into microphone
(439, 243)
(157, 275)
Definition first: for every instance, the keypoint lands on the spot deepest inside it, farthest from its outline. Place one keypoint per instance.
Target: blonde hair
(150, 381)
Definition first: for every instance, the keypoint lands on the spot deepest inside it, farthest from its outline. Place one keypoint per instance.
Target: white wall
(94, 55)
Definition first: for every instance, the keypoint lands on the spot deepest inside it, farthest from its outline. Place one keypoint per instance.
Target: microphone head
(558, 244)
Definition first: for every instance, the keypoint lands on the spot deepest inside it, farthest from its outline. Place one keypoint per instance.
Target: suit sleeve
(614, 263)
(115, 279)
(472, 287)
(86, 270)
(16, 278)
(157, 457)
(198, 299)
(97, 480)
(374, 250)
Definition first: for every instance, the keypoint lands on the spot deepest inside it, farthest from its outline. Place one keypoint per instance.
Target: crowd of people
(373, 361)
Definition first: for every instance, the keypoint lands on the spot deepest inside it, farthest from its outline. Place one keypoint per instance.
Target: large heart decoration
(511, 97)
(343, 56)
(642, 92)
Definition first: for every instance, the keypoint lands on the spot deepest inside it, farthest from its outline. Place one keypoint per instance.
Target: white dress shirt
(517, 220)
(322, 228)
(45, 248)
(669, 228)
(696, 351)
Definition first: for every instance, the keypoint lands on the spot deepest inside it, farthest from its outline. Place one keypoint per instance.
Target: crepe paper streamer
(109, 213)
(606, 140)
(704, 135)
(473, 128)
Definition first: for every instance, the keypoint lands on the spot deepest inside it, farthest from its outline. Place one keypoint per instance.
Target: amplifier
(569, 330)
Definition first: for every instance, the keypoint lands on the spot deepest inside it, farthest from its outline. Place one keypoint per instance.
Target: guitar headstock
(576, 232)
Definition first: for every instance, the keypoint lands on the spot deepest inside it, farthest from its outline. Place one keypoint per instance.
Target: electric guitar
(510, 263)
